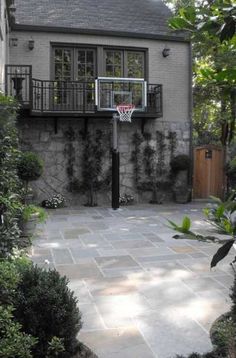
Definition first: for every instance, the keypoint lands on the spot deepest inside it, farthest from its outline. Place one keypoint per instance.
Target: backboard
(113, 91)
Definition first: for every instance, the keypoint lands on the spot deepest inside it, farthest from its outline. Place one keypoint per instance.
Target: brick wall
(172, 71)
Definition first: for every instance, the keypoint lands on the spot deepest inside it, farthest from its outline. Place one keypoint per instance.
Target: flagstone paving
(142, 293)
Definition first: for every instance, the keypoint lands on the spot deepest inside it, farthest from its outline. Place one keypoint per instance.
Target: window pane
(81, 56)
(117, 71)
(81, 70)
(109, 71)
(67, 56)
(135, 65)
(90, 71)
(117, 58)
(109, 57)
(90, 57)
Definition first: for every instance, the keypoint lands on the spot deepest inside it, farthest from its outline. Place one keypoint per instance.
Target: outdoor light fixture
(13, 42)
(166, 52)
(31, 45)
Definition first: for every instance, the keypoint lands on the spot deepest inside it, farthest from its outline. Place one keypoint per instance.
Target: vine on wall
(69, 152)
(94, 176)
(149, 158)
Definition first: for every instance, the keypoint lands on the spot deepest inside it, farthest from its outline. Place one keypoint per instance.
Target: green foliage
(211, 25)
(136, 157)
(184, 228)
(55, 347)
(32, 210)
(93, 173)
(224, 336)
(9, 279)
(233, 297)
(30, 166)
(10, 186)
(218, 216)
(46, 308)
(13, 342)
(180, 162)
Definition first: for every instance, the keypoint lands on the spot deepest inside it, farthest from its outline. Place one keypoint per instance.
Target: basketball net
(125, 112)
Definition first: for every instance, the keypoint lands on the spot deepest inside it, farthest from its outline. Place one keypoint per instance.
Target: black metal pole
(115, 179)
(115, 167)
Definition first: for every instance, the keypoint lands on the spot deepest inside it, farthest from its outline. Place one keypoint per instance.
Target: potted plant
(31, 215)
(180, 166)
(29, 168)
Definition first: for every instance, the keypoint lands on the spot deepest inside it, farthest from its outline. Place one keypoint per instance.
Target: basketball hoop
(125, 112)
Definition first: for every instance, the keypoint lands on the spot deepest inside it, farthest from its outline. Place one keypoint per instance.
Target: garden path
(142, 293)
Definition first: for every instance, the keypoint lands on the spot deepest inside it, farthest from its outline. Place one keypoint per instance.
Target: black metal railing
(63, 96)
(45, 97)
(154, 99)
(18, 83)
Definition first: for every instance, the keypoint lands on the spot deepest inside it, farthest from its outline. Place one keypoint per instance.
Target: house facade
(55, 56)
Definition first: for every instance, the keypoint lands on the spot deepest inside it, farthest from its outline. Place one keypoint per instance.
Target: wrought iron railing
(63, 96)
(18, 83)
(53, 97)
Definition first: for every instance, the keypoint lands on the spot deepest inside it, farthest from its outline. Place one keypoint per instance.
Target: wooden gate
(208, 173)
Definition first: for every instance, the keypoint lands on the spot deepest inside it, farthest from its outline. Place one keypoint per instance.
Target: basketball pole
(115, 165)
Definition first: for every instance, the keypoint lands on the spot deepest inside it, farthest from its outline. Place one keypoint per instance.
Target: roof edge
(37, 28)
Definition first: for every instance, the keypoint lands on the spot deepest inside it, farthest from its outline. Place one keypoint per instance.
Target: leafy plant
(29, 168)
(46, 308)
(32, 210)
(10, 185)
(224, 336)
(185, 229)
(9, 279)
(13, 342)
(55, 347)
(220, 214)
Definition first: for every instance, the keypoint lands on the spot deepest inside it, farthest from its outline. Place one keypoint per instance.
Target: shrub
(13, 342)
(46, 308)
(9, 279)
(30, 167)
(10, 186)
(233, 297)
(180, 162)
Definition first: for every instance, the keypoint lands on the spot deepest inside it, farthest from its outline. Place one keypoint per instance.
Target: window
(74, 71)
(124, 63)
(74, 64)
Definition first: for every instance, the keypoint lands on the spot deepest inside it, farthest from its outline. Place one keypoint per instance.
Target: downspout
(190, 178)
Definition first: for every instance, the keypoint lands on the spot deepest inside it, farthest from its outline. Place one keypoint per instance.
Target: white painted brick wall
(3, 44)
(172, 71)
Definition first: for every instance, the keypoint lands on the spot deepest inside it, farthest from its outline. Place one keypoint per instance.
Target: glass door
(84, 74)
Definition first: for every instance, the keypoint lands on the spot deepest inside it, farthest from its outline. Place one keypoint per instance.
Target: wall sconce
(13, 42)
(166, 52)
(31, 45)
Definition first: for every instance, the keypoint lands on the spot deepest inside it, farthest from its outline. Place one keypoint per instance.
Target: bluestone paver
(142, 293)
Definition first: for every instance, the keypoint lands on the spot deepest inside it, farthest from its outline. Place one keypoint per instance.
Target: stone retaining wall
(51, 144)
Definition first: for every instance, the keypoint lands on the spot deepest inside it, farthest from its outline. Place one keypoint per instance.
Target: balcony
(66, 98)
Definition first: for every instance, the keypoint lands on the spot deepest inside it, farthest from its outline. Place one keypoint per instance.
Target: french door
(74, 72)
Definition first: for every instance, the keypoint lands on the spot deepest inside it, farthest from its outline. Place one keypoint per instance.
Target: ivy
(136, 157)
(94, 176)
(70, 153)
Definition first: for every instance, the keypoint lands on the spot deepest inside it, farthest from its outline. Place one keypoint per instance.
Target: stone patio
(142, 293)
